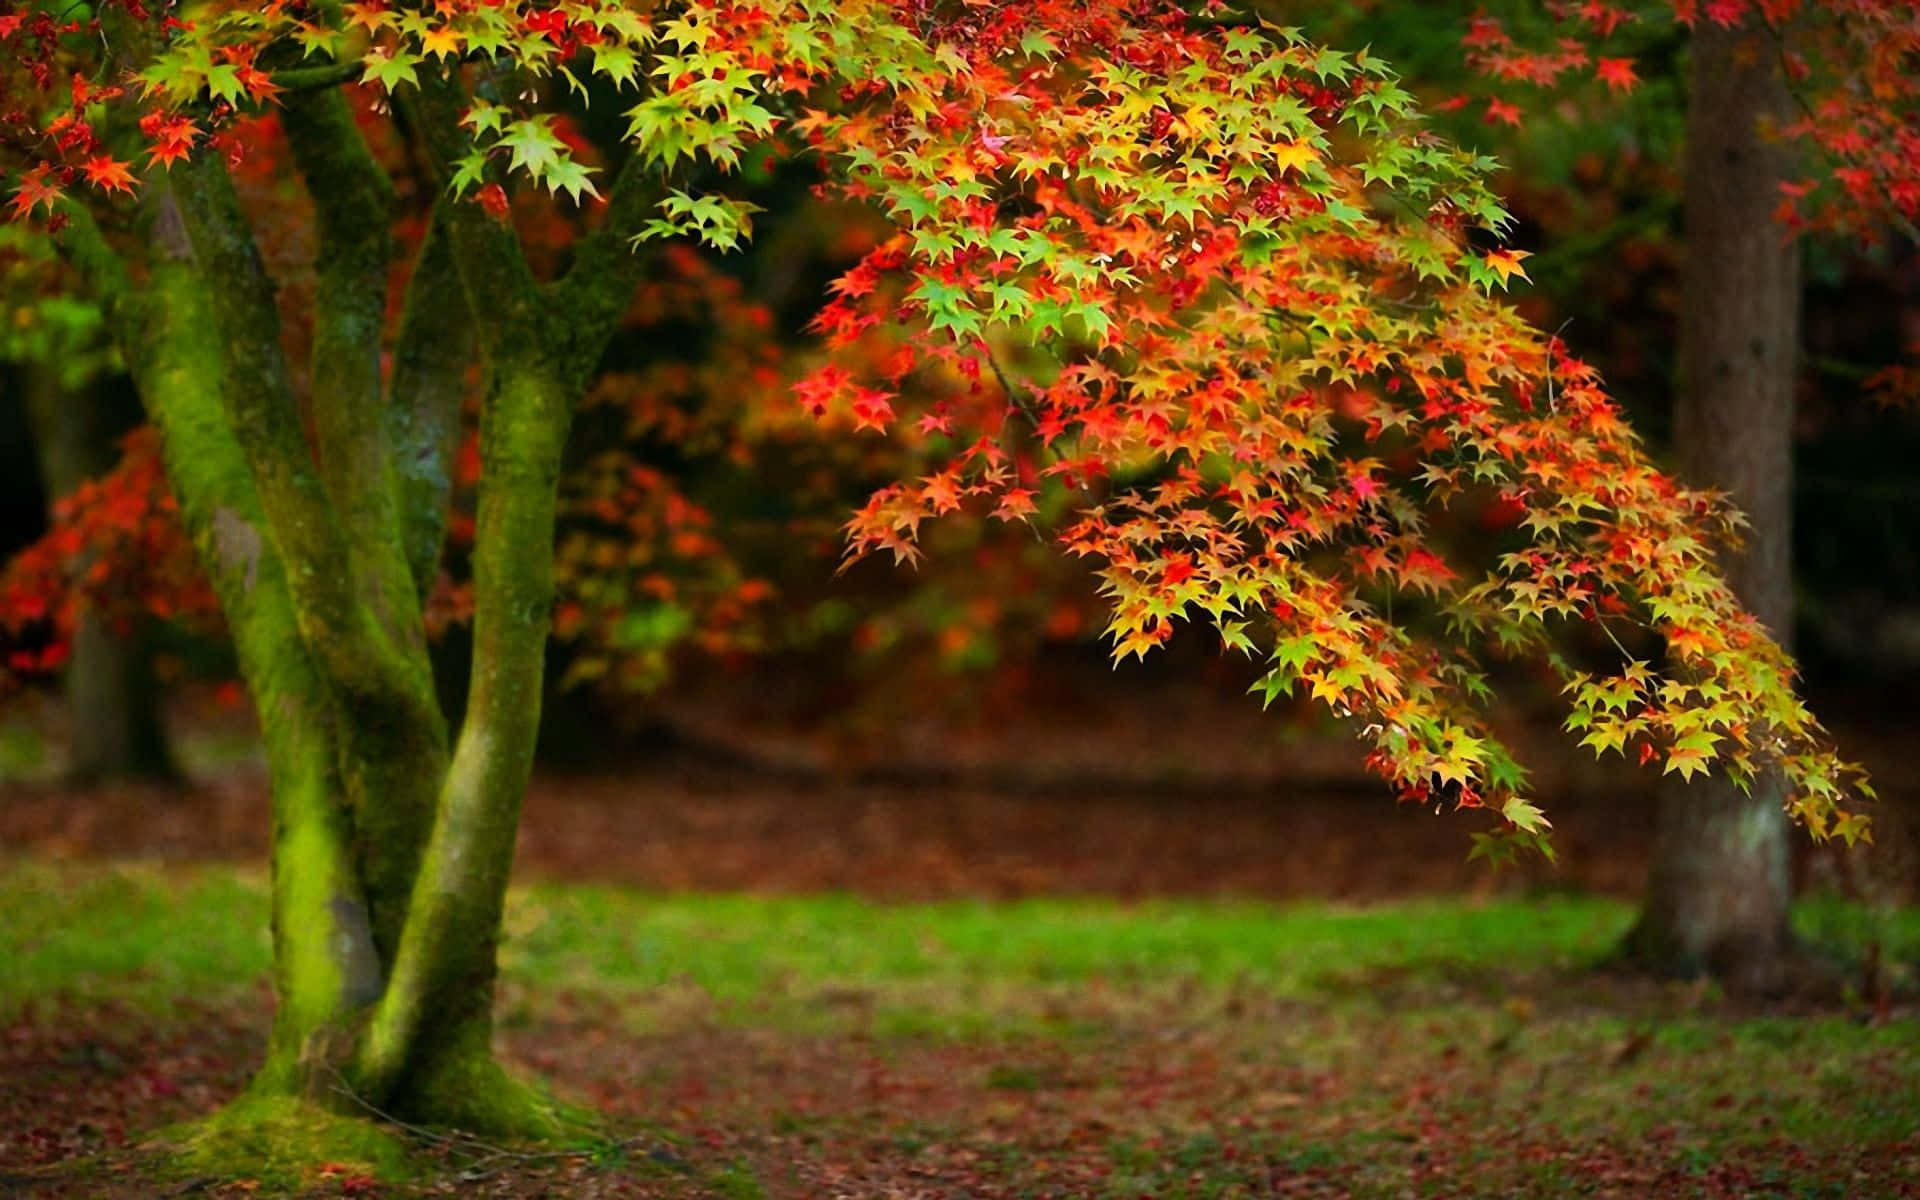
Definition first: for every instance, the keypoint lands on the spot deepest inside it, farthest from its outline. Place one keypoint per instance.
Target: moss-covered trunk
(1719, 888)
(426, 1043)
(392, 840)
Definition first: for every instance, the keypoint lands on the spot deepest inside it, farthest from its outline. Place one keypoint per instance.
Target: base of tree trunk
(1719, 890)
(476, 1096)
(1754, 967)
(1773, 969)
(282, 1138)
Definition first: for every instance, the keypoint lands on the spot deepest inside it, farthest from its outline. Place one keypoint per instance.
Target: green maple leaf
(391, 70)
(573, 178)
(467, 172)
(533, 146)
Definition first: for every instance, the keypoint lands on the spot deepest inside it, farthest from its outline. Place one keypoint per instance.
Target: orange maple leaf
(369, 16)
(108, 174)
(35, 191)
(1507, 263)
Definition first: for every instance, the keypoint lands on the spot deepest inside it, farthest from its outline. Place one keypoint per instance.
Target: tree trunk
(1719, 889)
(112, 702)
(391, 846)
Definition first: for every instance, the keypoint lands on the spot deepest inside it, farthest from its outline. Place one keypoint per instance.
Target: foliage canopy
(1205, 295)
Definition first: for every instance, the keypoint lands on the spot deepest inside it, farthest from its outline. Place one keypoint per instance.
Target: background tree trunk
(112, 702)
(1719, 889)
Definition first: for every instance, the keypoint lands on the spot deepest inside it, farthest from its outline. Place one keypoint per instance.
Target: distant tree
(1799, 116)
(1210, 293)
(115, 730)
(1719, 890)
(59, 369)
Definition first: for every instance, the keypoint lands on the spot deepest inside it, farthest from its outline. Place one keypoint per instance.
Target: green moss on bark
(283, 1141)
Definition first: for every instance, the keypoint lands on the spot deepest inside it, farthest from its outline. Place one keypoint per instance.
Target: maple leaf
(1016, 504)
(1500, 110)
(1506, 263)
(872, 409)
(172, 136)
(108, 174)
(493, 198)
(1616, 73)
(1604, 18)
(942, 491)
(1294, 156)
(1727, 13)
(441, 41)
(36, 191)
(370, 16)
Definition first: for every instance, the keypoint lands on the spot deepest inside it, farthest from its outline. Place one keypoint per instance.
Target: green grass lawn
(1081, 1047)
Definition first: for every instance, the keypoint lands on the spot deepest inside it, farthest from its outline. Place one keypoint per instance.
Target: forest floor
(841, 1046)
(1003, 960)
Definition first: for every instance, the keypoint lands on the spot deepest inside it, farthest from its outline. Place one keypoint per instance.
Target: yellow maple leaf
(372, 17)
(440, 42)
(1296, 156)
(1507, 263)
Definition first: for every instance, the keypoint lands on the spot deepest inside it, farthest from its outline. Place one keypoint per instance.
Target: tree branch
(606, 267)
(445, 964)
(296, 81)
(260, 399)
(431, 358)
(394, 738)
(500, 287)
(353, 205)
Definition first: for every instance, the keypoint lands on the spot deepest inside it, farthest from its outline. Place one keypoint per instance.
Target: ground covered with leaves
(744, 1046)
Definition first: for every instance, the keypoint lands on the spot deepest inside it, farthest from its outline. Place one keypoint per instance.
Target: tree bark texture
(1718, 890)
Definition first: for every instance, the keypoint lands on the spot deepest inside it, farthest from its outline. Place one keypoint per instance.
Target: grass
(1090, 1047)
(142, 935)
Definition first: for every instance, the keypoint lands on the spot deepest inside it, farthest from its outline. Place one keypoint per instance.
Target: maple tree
(1203, 296)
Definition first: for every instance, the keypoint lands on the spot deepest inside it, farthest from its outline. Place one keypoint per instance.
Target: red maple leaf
(36, 190)
(108, 174)
(172, 137)
(872, 409)
(1604, 18)
(1616, 73)
(1726, 12)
